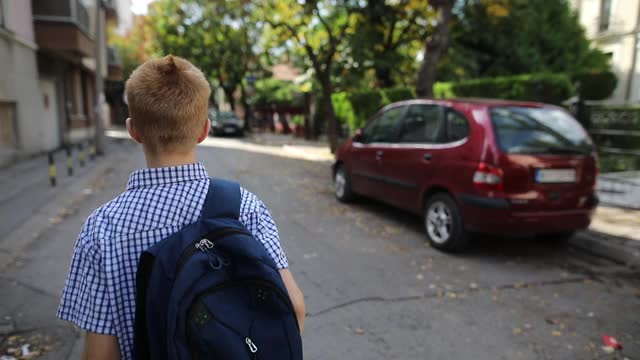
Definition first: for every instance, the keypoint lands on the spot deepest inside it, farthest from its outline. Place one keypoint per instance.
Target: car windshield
(524, 130)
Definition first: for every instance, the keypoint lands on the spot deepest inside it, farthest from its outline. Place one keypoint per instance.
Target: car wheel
(443, 223)
(342, 185)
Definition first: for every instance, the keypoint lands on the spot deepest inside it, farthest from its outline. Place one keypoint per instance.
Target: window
(605, 14)
(457, 126)
(383, 128)
(422, 124)
(2, 24)
(521, 130)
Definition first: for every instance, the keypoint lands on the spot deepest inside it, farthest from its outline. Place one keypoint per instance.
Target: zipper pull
(252, 347)
(204, 245)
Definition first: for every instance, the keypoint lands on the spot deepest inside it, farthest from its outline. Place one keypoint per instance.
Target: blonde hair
(168, 100)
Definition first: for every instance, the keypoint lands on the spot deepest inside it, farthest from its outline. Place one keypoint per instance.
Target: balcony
(111, 9)
(63, 26)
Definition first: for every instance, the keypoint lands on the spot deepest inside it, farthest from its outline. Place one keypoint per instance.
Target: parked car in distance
(474, 165)
(225, 123)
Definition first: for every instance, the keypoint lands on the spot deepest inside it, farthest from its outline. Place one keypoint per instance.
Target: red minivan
(474, 165)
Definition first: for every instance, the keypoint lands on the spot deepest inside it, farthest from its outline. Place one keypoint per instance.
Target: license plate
(556, 176)
(229, 130)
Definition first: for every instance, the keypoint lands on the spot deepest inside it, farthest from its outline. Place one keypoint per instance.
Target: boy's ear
(133, 132)
(205, 131)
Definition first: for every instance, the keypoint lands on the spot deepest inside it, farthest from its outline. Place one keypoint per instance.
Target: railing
(616, 132)
(73, 11)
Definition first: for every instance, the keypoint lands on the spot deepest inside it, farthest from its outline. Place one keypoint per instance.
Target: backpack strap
(223, 200)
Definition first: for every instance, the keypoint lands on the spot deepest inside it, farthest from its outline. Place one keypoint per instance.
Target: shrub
(397, 94)
(343, 110)
(443, 90)
(595, 85)
(548, 88)
(365, 104)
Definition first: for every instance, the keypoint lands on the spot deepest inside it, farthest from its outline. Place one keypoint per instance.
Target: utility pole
(99, 89)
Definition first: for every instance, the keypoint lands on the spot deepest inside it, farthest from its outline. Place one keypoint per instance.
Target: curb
(67, 197)
(611, 247)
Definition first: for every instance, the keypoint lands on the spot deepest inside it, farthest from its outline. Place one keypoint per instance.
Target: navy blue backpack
(211, 291)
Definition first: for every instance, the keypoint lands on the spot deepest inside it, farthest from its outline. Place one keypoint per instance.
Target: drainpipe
(99, 138)
(634, 57)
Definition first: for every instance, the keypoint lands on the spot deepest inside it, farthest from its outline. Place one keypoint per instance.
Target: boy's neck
(155, 160)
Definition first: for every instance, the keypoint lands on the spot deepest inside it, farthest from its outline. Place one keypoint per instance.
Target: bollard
(69, 160)
(92, 151)
(81, 154)
(52, 170)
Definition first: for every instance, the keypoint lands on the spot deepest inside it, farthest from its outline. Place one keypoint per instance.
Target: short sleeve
(85, 300)
(256, 218)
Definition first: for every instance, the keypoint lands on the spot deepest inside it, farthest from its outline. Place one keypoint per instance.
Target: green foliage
(276, 92)
(397, 94)
(216, 35)
(595, 85)
(355, 108)
(344, 110)
(365, 104)
(526, 37)
(547, 88)
(443, 90)
(297, 120)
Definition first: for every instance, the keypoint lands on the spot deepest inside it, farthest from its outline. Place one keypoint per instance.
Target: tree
(134, 47)
(508, 37)
(319, 28)
(436, 46)
(386, 38)
(216, 35)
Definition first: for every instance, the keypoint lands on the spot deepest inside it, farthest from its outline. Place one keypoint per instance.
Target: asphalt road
(374, 288)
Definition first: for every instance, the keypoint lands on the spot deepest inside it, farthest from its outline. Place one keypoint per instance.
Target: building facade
(21, 101)
(47, 83)
(614, 27)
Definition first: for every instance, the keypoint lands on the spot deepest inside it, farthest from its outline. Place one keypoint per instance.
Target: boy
(168, 102)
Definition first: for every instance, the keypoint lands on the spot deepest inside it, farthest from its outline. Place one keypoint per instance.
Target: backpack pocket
(243, 319)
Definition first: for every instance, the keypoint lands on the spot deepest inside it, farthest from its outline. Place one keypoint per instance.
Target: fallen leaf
(516, 331)
(556, 333)
(519, 285)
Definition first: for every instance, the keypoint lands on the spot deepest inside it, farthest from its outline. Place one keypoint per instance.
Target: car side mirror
(358, 136)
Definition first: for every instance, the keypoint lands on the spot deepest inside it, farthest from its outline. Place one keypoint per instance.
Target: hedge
(595, 85)
(548, 88)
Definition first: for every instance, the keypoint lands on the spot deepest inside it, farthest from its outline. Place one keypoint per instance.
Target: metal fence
(616, 132)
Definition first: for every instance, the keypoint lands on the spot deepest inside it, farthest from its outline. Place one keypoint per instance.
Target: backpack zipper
(204, 244)
(252, 347)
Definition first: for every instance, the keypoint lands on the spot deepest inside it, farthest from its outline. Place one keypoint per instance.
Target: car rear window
(524, 130)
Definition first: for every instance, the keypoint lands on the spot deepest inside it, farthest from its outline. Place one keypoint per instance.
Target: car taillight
(488, 177)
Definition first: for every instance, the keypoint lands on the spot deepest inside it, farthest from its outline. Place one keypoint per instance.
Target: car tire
(443, 224)
(342, 185)
(558, 238)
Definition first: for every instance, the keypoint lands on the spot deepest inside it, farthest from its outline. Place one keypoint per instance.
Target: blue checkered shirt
(99, 295)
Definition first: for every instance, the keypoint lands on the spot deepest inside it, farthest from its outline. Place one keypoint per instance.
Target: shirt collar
(167, 175)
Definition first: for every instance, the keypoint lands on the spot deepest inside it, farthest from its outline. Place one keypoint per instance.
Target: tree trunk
(383, 76)
(248, 112)
(434, 49)
(329, 113)
(228, 93)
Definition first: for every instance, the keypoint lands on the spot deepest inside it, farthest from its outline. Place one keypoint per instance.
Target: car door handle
(427, 156)
(379, 154)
